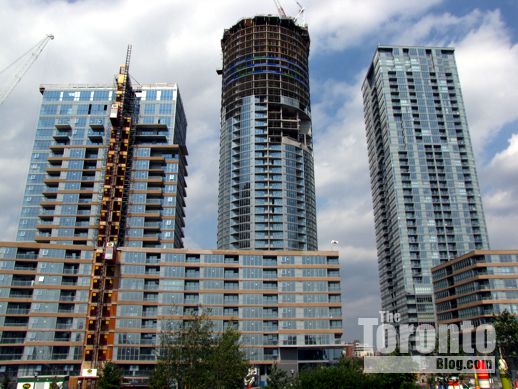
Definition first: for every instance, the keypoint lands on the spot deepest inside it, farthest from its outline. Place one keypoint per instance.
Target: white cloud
(180, 41)
(501, 197)
(345, 23)
(487, 60)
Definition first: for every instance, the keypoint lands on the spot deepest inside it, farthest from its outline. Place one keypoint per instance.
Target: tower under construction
(266, 180)
(99, 271)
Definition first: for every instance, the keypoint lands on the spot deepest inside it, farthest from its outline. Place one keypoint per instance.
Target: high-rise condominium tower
(266, 182)
(67, 175)
(426, 197)
(98, 271)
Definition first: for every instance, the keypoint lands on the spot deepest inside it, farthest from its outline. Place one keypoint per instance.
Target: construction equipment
(300, 13)
(280, 9)
(26, 60)
(283, 14)
(103, 298)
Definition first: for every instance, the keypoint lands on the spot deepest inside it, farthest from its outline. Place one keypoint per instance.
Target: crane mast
(30, 57)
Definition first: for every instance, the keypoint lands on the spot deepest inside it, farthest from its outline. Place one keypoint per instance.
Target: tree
(277, 378)
(348, 374)
(160, 377)
(110, 377)
(194, 356)
(506, 327)
(6, 381)
(228, 365)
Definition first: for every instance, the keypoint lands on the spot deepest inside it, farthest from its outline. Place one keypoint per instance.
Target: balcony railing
(22, 282)
(21, 295)
(18, 311)
(7, 357)
(26, 255)
(63, 326)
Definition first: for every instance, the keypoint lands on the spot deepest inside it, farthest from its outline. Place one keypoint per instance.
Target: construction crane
(279, 8)
(26, 60)
(283, 14)
(300, 13)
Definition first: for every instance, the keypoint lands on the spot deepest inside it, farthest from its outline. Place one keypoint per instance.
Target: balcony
(58, 356)
(16, 321)
(15, 282)
(21, 294)
(69, 281)
(153, 203)
(18, 311)
(151, 340)
(64, 325)
(11, 356)
(12, 340)
(147, 323)
(66, 308)
(95, 135)
(25, 267)
(62, 337)
(67, 297)
(151, 132)
(32, 255)
(151, 285)
(70, 270)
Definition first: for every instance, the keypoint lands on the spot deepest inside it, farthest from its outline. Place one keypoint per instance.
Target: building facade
(266, 180)
(286, 305)
(98, 271)
(425, 191)
(476, 286)
(62, 201)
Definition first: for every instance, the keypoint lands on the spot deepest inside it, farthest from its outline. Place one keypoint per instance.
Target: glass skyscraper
(98, 270)
(426, 196)
(64, 188)
(266, 180)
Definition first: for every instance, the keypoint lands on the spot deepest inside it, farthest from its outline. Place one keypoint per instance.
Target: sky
(179, 41)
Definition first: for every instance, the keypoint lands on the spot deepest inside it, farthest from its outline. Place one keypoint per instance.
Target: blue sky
(178, 41)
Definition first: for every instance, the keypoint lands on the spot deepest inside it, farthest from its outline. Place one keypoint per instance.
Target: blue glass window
(166, 94)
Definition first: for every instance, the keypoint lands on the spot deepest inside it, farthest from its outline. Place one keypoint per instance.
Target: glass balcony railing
(12, 340)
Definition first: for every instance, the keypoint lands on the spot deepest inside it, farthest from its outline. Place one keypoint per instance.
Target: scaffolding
(100, 332)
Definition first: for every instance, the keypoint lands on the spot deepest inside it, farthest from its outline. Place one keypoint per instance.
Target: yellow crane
(21, 65)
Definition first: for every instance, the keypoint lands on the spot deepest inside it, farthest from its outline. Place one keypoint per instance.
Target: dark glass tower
(266, 182)
(426, 197)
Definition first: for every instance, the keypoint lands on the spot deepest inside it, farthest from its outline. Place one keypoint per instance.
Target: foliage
(227, 362)
(54, 384)
(160, 378)
(348, 374)
(6, 381)
(110, 377)
(278, 378)
(193, 356)
(506, 327)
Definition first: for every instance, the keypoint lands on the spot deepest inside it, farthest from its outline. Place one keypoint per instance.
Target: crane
(26, 60)
(301, 12)
(280, 9)
(283, 14)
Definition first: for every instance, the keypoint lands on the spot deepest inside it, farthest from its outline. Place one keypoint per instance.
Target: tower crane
(283, 14)
(279, 8)
(301, 13)
(26, 60)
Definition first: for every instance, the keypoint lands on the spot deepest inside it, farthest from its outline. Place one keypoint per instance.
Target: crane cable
(35, 52)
